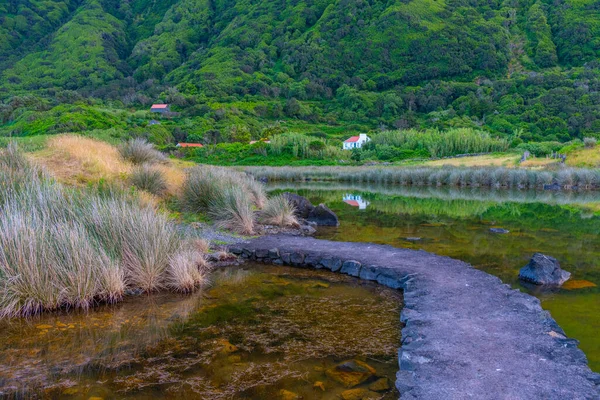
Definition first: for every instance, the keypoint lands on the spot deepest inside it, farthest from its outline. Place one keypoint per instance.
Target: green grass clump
(279, 211)
(139, 151)
(67, 248)
(148, 178)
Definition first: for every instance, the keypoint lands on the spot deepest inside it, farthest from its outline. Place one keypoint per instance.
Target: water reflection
(258, 331)
(456, 223)
(355, 200)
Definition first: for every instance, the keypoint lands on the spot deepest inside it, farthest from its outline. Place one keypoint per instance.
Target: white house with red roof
(160, 108)
(356, 142)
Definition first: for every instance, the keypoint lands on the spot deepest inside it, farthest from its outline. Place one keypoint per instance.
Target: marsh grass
(278, 211)
(147, 177)
(67, 248)
(486, 177)
(232, 209)
(227, 196)
(139, 151)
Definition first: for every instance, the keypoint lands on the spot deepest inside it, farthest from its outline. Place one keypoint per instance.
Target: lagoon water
(456, 223)
(258, 332)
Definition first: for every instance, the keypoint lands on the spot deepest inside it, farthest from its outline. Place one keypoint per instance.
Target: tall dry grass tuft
(187, 271)
(278, 211)
(228, 196)
(232, 209)
(62, 248)
(139, 151)
(148, 178)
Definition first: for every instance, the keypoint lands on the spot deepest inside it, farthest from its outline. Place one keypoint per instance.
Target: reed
(442, 143)
(487, 177)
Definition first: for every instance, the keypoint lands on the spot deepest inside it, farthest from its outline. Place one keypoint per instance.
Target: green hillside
(525, 70)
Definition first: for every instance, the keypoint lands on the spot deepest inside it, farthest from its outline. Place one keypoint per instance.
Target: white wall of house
(362, 139)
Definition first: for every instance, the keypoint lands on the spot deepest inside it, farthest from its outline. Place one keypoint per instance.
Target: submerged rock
(380, 385)
(351, 373)
(359, 394)
(544, 270)
(287, 395)
(301, 204)
(323, 216)
(499, 230)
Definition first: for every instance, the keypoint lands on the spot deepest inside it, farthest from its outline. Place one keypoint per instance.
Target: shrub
(589, 142)
(279, 211)
(148, 178)
(139, 151)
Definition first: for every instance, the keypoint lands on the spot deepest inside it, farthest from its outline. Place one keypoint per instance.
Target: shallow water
(256, 332)
(456, 223)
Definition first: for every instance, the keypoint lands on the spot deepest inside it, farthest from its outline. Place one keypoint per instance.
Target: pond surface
(456, 223)
(259, 332)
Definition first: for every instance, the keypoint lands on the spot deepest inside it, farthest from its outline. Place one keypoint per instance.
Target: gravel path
(466, 335)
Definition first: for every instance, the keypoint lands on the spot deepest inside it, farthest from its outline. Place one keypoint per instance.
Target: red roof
(159, 106)
(352, 202)
(190, 145)
(352, 139)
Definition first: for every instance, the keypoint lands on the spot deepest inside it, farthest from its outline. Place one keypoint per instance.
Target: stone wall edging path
(466, 335)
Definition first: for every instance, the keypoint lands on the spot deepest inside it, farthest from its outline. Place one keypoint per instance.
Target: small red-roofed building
(190, 145)
(356, 142)
(160, 108)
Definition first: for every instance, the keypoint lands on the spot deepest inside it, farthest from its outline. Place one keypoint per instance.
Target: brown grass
(78, 160)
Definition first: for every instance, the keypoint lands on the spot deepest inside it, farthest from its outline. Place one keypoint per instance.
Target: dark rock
(262, 253)
(297, 258)
(412, 239)
(323, 216)
(331, 263)
(285, 257)
(369, 272)
(499, 230)
(307, 230)
(235, 250)
(274, 253)
(312, 260)
(301, 204)
(351, 268)
(544, 270)
(278, 261)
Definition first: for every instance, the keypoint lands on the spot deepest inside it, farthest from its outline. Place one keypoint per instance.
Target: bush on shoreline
(68, 248)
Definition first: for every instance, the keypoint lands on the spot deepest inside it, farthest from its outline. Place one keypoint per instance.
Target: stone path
(466, 335)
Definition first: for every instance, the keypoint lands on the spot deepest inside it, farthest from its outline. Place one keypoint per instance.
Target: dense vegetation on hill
(524, 70)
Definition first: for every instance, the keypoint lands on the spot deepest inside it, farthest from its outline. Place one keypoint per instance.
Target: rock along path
(466, 334)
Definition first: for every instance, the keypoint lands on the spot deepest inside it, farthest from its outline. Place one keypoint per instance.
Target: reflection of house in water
(355, 200)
